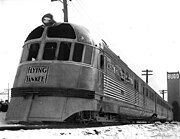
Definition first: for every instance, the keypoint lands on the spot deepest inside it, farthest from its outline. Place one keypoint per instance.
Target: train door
(101, 67)
(144, 99)
(155, 100)
(136, 93)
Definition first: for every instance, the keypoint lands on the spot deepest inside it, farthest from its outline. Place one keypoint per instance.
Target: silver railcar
(64, 75)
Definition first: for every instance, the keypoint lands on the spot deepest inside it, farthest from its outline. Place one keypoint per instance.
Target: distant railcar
(64, 76)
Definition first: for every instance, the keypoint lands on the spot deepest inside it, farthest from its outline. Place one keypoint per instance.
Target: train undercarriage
(84, 119)
(37, 109)
(89, 117)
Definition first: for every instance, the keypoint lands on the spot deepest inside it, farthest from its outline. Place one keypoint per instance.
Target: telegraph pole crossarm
(163, 92)
(147, 74)
(8, 92)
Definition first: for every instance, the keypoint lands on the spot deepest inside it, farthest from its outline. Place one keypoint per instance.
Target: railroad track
(15, 127)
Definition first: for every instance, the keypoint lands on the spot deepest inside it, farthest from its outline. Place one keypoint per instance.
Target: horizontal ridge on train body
(50, 91)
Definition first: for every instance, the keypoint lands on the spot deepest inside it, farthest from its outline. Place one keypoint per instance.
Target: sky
(144, 33)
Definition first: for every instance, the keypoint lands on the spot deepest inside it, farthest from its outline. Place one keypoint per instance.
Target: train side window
(147, 92)
(158, 101)
(101, 61)
(24, 54)
(136, 85)
(49, 51)
(127, 75)
(150, 95)
(64, 51)
(153, 96)
(78, 52)
(88, 54)
(33, 52)
(143, 91)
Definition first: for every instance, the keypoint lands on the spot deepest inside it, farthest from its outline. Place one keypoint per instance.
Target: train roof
(63, 30)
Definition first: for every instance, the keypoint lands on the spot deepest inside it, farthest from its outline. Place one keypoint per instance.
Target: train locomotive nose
(54, 99)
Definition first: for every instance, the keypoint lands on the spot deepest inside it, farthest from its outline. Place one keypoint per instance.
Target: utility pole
(3, 93)
(65, 9)
(147, 74)
(163, 92)
(8, 93)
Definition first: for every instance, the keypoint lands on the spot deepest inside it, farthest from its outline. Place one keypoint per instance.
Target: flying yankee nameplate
(37, 74)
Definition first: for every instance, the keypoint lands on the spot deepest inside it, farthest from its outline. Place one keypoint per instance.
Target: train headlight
(48, 20)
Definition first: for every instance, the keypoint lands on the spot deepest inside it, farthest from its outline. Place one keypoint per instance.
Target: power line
(91, 22)
(75, 9)
(84, 13)
(65, 9)
(82, 7)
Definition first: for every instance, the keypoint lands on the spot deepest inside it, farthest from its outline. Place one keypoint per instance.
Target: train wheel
(170, 121)
(162, 120)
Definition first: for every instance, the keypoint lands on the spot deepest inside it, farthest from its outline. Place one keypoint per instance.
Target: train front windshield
(62, 51)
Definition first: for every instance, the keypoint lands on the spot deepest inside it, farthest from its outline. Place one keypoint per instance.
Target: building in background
(173, 88)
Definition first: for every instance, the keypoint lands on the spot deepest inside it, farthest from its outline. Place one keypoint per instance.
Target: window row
(162, 103)
(60, 51)
(148, 93)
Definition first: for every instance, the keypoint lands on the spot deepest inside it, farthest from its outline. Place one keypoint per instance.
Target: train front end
(57, 75)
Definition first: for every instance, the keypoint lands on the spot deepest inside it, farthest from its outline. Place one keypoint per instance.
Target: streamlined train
(66, 76)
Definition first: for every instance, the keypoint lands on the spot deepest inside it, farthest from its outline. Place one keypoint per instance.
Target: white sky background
(144, 33)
